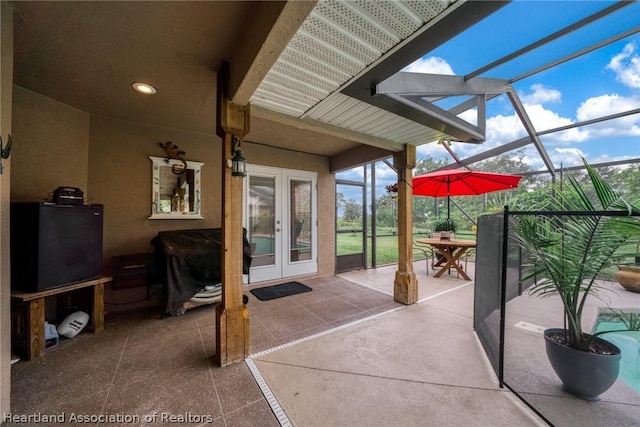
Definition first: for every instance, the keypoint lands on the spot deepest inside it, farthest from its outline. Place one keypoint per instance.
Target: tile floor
(152, 368)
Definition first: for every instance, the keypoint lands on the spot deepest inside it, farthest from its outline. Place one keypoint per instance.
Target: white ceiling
(87, 54)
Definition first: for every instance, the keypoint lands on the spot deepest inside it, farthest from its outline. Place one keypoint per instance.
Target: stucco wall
(120, 179)
(109, 160)
(51, 146)
(6, 86)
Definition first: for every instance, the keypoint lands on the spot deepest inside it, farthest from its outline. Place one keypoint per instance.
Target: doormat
(278, 291)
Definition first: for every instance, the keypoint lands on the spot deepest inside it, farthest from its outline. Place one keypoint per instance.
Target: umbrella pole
(448, 199)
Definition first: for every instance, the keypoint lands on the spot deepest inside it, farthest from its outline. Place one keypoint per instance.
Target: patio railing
(509, 324)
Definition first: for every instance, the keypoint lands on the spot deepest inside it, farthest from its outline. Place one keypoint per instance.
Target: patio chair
(469, 254)
(427, 251)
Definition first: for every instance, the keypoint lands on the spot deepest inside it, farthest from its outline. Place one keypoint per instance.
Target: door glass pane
(300, 221)
(262, 226)
(350, 223)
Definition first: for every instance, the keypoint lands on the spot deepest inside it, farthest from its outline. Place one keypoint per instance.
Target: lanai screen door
(351, 236)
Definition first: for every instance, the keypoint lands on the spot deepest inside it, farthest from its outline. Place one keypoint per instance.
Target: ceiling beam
(528, 125)
(407, 93)
(266, 35)
(432, 116)
(358, 156)
(326, 129)
(440, 85)
(494, 152)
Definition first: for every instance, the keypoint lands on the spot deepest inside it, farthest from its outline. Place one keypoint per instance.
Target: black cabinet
(132, 271)
(54, 245)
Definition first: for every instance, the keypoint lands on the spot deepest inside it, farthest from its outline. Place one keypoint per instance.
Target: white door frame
(283, 264)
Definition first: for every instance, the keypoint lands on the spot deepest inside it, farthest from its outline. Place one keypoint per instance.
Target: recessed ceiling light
(144, 88)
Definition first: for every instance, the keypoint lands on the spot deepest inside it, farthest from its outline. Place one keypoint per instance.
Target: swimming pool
(629, 344)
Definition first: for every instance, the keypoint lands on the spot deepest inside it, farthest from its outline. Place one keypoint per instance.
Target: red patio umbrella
(461, 182)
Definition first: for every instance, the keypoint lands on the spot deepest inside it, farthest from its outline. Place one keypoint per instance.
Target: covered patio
(378, 347)
(334, 356)
(343, 354)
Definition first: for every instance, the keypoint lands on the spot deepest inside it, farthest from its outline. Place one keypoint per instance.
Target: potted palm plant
(566, 255)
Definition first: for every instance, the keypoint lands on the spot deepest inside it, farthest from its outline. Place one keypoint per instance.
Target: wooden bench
(27, 314)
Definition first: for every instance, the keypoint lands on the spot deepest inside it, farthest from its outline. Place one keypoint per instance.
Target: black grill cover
(189, 260)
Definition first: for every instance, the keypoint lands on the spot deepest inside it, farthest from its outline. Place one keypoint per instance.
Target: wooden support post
(232, 316)
(405, 286)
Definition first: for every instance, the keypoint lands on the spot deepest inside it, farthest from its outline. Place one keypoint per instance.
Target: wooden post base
(232, 337)
(405, 288)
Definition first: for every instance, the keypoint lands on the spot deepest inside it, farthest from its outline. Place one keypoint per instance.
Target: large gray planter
(584, 375)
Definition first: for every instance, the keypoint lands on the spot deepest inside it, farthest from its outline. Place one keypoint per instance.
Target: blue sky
(597, 84)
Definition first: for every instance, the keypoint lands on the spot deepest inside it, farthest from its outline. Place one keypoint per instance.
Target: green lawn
(387, 246)
(387, 249)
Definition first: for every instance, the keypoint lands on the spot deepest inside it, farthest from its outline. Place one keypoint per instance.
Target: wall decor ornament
(173, 152)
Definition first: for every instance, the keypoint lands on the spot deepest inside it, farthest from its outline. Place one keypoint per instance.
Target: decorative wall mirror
(175, 195)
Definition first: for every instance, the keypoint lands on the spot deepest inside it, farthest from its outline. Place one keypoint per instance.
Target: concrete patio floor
(418, 365)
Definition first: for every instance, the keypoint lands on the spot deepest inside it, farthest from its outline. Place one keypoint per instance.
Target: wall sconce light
(238, 162)
(5, 151)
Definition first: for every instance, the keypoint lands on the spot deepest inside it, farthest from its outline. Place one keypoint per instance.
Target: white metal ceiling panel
(365, 120)
(312, 66)
(339, 106)
(427, 10)
(337, 41)
(400, 20)
(301, 76)
(352, 21)
(302, 93)
(277, 103)
(327, 33)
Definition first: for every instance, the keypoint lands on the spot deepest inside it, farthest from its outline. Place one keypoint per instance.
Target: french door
(280, 215)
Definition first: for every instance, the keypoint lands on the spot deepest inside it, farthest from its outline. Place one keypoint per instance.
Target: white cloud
(541, 95)
(544, 119)
(626, 66)
(568, 152)
(559, 156)
(470, 116)
(502, 129)
(384, 172)
(507, 128)
(567, 157)
(605, 105)
(430, 65)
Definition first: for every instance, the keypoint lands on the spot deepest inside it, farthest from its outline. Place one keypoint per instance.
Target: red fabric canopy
(460, 182)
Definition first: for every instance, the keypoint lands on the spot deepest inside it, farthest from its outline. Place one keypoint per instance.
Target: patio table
(451, 251)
